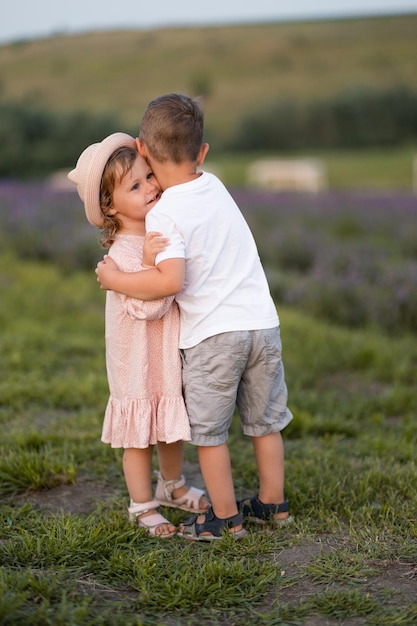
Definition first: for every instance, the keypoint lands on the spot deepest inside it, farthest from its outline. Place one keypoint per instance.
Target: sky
(22, 19)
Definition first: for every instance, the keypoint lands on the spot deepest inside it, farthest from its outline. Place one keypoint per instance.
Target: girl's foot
(145, 515)
(175, 494)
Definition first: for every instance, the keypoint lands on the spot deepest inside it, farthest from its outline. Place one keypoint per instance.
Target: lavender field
(346, 256)
(68, 552)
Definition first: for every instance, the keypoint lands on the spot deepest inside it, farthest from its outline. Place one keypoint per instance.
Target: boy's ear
(202, 154)
(141, 147)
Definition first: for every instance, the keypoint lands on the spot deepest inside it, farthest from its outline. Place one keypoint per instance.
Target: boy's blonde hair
(172, 128)
(119, 164)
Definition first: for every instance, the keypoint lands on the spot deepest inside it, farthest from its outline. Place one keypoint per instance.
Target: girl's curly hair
(118, 165)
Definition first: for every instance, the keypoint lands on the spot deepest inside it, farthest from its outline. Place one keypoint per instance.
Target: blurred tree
(357, 118)
(35, 142)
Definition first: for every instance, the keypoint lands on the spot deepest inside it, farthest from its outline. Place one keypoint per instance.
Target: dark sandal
(253, 510)
(216, 526)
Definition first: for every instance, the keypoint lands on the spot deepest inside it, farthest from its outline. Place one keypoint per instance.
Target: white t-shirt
(225, 287)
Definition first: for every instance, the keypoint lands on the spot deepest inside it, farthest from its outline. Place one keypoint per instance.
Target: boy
(229, 328)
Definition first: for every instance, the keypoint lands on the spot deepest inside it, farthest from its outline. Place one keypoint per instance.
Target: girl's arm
(145, 309)
(165, 280)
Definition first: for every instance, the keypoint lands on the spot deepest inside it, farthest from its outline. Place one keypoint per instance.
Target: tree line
(358, 118)
(35, 141)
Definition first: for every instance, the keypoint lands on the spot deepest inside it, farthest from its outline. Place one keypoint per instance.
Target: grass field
(68, 555)
(238, 68)
(369, 169)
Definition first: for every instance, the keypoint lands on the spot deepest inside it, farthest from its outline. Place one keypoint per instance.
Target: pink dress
(143, 363)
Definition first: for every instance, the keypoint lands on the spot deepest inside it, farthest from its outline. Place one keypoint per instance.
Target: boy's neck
(170, 174)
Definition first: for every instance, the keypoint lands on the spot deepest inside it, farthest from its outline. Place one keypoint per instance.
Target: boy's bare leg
(217, 474)
(269, 454)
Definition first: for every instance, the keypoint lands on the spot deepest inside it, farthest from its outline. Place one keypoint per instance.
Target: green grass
(388, 168)
(351, 478)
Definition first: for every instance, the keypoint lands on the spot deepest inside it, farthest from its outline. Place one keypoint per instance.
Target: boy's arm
(165, 280)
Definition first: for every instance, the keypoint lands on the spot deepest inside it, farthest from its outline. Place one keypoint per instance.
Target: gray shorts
(239, 368)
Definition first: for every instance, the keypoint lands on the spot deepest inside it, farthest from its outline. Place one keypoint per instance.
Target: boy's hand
(154, 243)
(104, 269)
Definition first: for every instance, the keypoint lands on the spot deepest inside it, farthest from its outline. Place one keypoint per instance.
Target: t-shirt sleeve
(164, 224)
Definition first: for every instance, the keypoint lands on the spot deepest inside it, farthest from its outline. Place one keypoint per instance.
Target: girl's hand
(104, 269)
(154, 243)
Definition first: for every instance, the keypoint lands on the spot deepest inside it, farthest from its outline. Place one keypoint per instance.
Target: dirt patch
(78, 498)
(399, 578)
(83, 496)
(394, 585)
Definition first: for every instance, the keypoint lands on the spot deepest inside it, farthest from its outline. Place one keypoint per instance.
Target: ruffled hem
(143, 422)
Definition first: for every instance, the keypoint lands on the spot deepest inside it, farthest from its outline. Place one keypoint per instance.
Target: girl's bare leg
(137, 463)
(170, 457)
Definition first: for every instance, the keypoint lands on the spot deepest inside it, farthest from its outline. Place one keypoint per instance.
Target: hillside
(237, 68)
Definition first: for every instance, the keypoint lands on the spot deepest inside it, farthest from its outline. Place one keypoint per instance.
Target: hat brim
(95, 173)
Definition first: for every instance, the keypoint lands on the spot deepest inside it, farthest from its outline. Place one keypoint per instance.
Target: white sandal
(149, 522)
(190, 501)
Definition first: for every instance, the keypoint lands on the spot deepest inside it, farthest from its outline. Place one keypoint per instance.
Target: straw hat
(89, 171)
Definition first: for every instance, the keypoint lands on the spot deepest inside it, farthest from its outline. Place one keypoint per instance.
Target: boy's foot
(176, 494)
(208, 527)
(253, 510)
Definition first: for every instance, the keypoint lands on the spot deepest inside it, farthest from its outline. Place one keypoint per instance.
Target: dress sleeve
(128, 256)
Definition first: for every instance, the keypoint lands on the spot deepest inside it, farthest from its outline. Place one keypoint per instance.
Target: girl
(146, 407)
